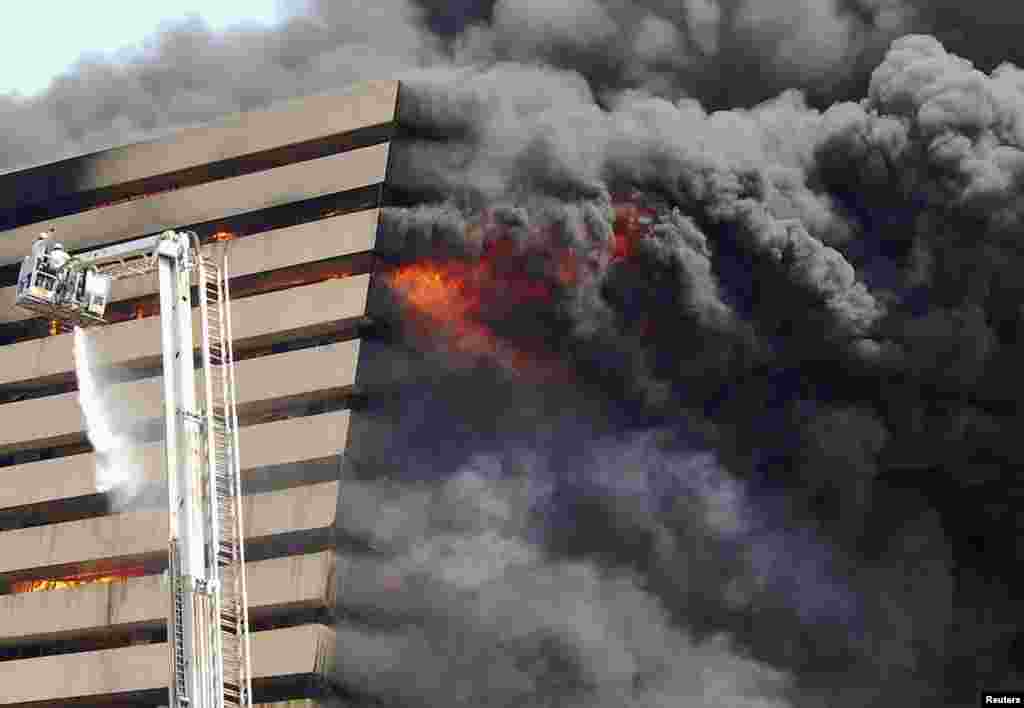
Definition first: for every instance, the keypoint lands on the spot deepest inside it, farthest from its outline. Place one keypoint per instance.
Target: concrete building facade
(293, 195)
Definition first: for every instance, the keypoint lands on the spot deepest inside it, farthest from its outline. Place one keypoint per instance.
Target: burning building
(292, 194)
(679, 388)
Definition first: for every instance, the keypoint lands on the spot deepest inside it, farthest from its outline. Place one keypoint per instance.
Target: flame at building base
(73, 581)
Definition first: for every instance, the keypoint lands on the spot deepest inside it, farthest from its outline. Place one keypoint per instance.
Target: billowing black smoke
(773, 461)
(824, 303)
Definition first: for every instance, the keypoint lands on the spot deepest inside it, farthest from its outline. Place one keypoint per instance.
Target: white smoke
(119, 472)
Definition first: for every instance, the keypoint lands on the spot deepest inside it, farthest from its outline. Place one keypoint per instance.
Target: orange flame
(223, 236)
(632, 223)
(450, 297)
(568, 268)
(73, 581)
(442, 294)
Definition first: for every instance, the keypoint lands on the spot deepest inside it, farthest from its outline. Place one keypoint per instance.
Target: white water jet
(118, 472)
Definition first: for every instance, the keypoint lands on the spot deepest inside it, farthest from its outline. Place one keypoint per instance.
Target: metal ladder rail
(227, 542)
(210, 328)
(176, 624)
(223, 488)
(245, 657)
(235, 620)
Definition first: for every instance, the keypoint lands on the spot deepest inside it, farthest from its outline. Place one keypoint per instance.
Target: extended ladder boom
(208, 619)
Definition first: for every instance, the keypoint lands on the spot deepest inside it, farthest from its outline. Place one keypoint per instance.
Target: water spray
(117, 474)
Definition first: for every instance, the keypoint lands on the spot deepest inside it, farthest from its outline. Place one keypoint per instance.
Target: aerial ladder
(208, 629)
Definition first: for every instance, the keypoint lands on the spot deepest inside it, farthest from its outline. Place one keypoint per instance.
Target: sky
(55, 34)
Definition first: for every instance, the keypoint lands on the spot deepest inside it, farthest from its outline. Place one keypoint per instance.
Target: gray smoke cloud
(498, 621)
(822, 319)
(678, 49)
(189, 74)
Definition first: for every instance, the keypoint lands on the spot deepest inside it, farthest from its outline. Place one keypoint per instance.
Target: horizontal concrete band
(57, 420)
(296, 581)
(280, 248)
(295, 651)
(205, 202)
(234, 136)
(137, 342)
(281, 442)
(145, 533)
